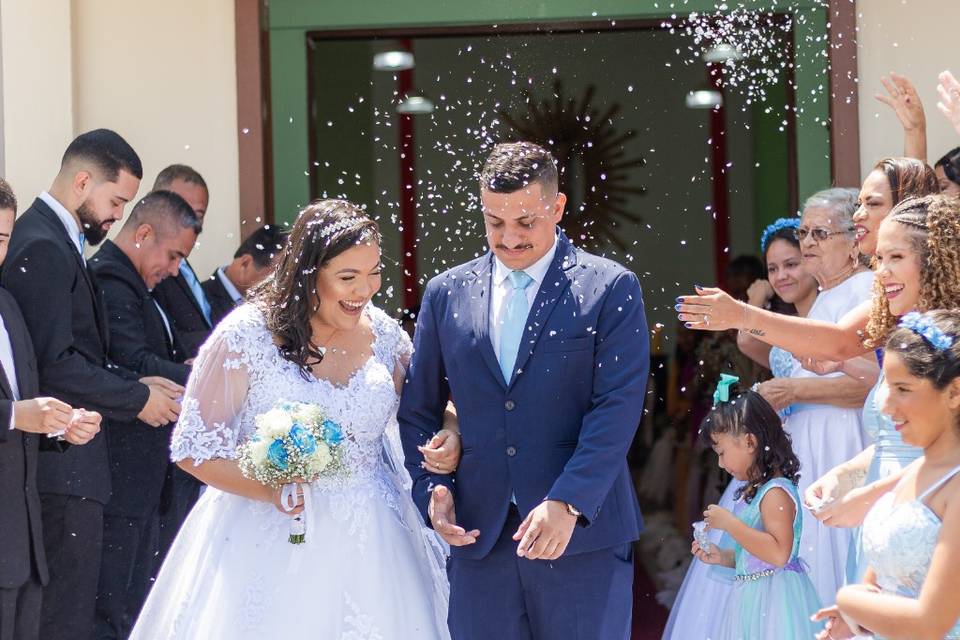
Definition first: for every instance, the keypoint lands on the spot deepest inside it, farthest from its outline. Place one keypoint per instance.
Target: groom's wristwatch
(572, 510)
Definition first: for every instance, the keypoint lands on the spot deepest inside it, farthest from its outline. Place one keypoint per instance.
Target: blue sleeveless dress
(767, 601)
(899, 540)
(890, 455)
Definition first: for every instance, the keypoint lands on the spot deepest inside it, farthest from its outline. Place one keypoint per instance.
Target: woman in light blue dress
(911, 537)
(916, 251)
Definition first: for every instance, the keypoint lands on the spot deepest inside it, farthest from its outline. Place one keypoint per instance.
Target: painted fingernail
(687, 325)
(677, 307)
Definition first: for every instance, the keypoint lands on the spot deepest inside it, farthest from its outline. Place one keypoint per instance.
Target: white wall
(917, 39)
(163, 75)
(37, 92)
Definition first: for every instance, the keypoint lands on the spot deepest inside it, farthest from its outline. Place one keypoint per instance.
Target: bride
(368, 569)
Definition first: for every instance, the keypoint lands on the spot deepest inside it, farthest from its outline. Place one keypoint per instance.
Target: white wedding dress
(368, 569)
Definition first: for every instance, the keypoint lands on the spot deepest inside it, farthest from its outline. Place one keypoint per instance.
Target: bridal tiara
(340, 225)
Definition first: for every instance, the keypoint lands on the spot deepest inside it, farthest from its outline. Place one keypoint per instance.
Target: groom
(543, 348)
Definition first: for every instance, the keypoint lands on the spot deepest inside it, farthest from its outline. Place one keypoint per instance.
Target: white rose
(258, 451)
(275, 423)
(320, 459)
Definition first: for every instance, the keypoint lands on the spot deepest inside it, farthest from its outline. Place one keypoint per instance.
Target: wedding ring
(706, 319)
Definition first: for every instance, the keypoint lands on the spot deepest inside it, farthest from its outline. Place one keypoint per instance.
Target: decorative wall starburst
(596, 172)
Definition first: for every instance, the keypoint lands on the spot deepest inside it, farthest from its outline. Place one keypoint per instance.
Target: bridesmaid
(911, 537)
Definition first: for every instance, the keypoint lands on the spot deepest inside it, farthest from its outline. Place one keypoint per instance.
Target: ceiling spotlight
(722, 53)
(393, 61)
(415, 105)
(704, 99)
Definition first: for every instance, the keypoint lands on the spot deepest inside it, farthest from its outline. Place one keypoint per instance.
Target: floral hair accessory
(722, 393)
(923, 325)
(778, 225)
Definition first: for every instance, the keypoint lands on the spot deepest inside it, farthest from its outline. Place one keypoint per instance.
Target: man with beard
(46, 272)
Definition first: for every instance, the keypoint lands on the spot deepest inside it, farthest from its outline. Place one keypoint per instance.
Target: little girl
(771, 596)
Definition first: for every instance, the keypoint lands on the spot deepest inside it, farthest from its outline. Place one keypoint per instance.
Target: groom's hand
(546, 531)
(443, 517)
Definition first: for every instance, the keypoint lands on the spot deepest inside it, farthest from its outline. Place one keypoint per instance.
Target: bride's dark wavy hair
(288, 298)
(748, 413)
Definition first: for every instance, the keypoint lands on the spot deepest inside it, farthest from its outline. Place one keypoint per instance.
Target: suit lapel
(555, 284)
(480, 292)
(53, 220)
(18, 354)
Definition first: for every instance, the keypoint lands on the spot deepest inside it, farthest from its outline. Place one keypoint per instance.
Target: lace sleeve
(210, 415)
(392, 346)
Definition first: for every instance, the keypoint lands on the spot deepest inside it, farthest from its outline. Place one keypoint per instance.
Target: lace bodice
(240, 374)
(899, 540)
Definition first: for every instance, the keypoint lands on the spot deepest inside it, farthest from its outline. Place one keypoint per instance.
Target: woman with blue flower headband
(911, 537)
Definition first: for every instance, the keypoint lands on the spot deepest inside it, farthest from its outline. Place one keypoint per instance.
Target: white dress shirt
(9, 367)
(502, 290)
(235, 294)
(73, 229)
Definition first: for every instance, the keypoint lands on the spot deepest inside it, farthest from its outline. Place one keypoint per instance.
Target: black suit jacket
(64, 314)
(184, 312)
(22, 545)
(220, 301)
(139, 453)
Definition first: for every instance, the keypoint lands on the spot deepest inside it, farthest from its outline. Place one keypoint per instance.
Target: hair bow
(722, 393)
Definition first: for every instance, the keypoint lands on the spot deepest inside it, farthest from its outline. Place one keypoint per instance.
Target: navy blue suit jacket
(561, 428)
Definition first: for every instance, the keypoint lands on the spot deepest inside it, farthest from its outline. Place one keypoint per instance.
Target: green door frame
(290, 22)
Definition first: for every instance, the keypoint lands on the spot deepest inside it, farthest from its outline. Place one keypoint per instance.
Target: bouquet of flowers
(293, 443)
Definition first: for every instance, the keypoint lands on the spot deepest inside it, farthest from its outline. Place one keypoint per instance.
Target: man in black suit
(158, 235)
(46, 273)
(27, 423)
(251, 263)
(181, 296)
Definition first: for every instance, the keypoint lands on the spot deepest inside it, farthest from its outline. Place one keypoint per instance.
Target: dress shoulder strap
(939, 483)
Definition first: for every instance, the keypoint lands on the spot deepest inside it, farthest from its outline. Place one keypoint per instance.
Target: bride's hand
(441, 454)
(275, 494)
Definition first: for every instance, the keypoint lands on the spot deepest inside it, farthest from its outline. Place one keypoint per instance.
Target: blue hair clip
(722, 393)
(778, 225)
(923, 325)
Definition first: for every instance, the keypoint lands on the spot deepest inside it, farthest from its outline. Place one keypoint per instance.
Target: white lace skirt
(360, 574)
(823, 437)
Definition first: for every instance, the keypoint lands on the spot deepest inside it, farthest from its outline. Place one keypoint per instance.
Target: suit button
(509, 405)
(511, 451)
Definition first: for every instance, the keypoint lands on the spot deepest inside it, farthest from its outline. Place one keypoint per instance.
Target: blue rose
(332, 432)
(277, 454)
(302, 439)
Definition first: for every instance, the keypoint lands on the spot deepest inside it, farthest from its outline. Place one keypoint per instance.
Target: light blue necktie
(83, 240)
(197, 290)
(513, 320)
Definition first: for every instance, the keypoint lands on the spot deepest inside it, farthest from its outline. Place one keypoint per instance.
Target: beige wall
(162, 74)
(916, 39)
(37, 92)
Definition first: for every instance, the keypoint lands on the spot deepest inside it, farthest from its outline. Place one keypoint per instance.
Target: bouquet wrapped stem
(293, 445)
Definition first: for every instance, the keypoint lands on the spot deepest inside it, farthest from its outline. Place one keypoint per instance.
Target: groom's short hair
(511, 166)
